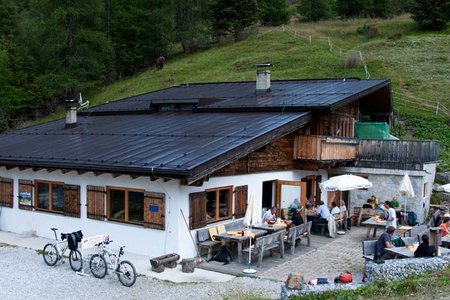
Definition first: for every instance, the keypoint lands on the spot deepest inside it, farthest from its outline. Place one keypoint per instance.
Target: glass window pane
(135, 206)
(57, 197)
(224, 203)
(210, 206)
(42, 195)
(117, 204)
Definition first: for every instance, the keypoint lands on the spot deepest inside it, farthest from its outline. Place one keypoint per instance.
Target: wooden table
(373, 224)
(403, 252)
(239, 239)
(271, 228)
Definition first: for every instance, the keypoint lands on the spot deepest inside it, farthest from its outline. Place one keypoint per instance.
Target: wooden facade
(323, 148)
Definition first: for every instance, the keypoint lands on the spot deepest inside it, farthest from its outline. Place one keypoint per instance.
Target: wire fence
(425, 105)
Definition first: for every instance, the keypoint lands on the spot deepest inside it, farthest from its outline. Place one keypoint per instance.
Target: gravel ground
(26, 276)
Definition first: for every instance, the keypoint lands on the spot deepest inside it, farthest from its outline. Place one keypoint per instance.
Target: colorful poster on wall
(25, 198)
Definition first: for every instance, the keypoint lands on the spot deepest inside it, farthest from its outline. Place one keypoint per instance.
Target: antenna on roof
(82, 105)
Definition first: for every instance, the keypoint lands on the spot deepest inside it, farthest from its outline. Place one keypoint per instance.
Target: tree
(380, 8)
(233, 16)
(351, 8)
(315, 10)
(274, 12)
(140, 31)
(191, 23)
(433, 14)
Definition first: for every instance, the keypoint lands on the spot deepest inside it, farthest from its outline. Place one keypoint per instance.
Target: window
(218, 204)
(50, 196)
(425, 187)
(126, 205)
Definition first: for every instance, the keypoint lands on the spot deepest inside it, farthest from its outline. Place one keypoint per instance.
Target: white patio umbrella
(406, 188)
(250, 219)
(345, 183)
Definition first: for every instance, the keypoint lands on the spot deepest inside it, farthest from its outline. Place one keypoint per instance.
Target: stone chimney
(262, 78)
(71, 113)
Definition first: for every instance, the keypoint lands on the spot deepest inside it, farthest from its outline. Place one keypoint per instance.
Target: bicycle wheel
(75, 260)
(50, 254)
(98, 266)
(126, 273)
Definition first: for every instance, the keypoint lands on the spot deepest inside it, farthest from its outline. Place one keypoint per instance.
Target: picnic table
(271, 228)
(236, 236)
(375, 222)
(408, 252)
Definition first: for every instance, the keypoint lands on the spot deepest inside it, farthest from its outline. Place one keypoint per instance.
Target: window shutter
(96, 202)
(197, 210)
(26, 186)
(240, 200)
(6, 192)
(72, 200)
(155, 210)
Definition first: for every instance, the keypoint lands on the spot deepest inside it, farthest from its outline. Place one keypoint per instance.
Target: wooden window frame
(8, 201)
(50, 195)
(126, 190)
(230, 203)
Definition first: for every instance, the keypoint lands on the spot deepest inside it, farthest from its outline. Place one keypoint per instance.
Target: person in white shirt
(270, 215)
(391, 217)
(323, 214)
(334, 208)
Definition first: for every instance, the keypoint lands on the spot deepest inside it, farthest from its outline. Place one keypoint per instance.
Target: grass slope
(417, 62)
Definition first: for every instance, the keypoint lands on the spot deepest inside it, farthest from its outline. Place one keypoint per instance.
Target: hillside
(416, 62)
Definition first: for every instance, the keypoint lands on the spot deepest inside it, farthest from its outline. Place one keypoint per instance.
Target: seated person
(445, 226)
(373, 200)
(395, 203)
(295, 217)
(368, 204)
(323, 213)
(270, 216)
(384, 241)
(334, 208)
(424, 249)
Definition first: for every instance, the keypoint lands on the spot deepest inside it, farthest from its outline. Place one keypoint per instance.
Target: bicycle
(54, 252)
(106, 259)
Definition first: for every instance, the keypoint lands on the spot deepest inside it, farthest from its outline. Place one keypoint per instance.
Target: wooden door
(287, 191)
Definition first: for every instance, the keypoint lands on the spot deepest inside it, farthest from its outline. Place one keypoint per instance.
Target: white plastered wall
(151, 242)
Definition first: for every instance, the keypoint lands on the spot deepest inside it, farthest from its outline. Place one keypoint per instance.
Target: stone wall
(397, 269)
(386, 183)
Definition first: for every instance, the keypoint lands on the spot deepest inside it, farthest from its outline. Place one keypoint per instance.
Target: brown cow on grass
(160, 62)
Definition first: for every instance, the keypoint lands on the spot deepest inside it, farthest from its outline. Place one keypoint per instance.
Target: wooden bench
(204, 241)
(267, 242)
(297, 232)
(160, 262)
(368, 248)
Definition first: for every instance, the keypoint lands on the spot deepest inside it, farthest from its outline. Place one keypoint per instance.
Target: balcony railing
(365, 152)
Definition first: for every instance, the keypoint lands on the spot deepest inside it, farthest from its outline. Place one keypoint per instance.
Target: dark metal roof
(128, 136)
(289, 95)
(181, 144)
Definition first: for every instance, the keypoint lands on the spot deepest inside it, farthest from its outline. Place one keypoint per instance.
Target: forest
(52, 50)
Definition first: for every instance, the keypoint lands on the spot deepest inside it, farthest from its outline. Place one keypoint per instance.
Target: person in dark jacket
(295, 217)
(424, 249)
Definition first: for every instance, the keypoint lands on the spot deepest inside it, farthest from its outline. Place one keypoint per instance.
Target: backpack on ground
(412, 218)
(223, 255)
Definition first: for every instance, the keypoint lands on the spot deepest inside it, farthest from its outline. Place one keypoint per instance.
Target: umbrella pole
(249, 269)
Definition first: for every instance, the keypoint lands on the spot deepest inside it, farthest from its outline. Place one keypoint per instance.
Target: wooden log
(188, 265)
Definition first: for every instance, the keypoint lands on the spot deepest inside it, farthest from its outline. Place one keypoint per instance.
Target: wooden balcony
(399, 154)
(389, 154)
(324, 148)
